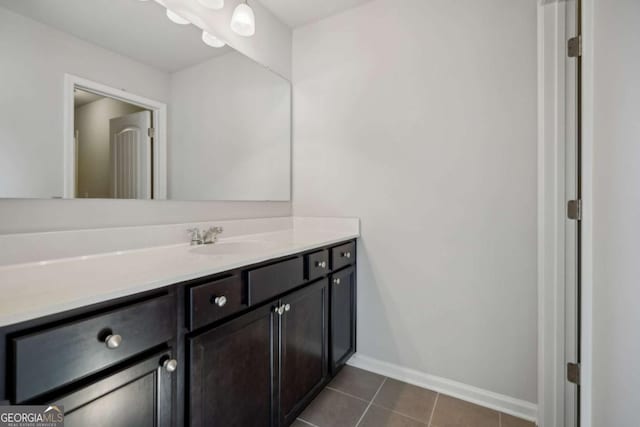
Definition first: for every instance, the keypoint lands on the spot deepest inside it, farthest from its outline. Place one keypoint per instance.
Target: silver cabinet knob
(337, 281)
(287, 307)
(321, 264)
(347, 254)
(220, 301)
(170, 365)
(279, 310)
(113, 341)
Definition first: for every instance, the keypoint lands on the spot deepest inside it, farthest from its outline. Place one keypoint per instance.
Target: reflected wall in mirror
(132, 105)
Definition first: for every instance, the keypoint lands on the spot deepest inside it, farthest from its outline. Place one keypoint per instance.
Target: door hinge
(574, 47)
(573, 373)
(152, 132)
(574, 210)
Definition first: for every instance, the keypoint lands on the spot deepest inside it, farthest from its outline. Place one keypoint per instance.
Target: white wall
(47, 55)
(419, 116)
(230, 122)
(616, 212)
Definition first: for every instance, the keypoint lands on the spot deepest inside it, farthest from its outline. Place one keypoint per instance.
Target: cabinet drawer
(215, 300)
(317, 264)
(57, 356)
(343, 255)
(267, 282)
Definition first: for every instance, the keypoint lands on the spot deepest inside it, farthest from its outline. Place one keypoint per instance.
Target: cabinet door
(140, 395)
(232, 373)
(304, 348)
(343, 317)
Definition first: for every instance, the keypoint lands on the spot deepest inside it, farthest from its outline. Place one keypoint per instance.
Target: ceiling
(81, 97)
(137, 29)
(296, 13)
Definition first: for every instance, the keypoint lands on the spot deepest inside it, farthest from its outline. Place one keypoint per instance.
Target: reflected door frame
(159, 113)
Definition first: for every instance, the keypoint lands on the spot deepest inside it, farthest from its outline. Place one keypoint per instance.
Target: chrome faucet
(205, 237)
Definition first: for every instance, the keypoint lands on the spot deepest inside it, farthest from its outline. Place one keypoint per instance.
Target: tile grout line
(306, 422)
(371, 403)
(433, 410)
(347, 394)
(402, 414)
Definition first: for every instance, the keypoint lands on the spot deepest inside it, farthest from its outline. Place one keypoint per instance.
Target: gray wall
(241, 145)
(420, 117)
(616, 213)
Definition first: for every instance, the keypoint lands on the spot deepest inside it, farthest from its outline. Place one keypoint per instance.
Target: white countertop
(35, 289)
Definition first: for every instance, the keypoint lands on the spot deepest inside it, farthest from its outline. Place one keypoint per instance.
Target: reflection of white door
(130, 154)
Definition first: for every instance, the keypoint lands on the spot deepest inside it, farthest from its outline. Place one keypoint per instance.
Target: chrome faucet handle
(196, 237)
(210, 236)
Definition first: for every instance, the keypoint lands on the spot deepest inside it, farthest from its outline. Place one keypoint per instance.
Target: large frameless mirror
(111, 99)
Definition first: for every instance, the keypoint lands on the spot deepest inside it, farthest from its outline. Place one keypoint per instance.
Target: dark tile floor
(357, 398)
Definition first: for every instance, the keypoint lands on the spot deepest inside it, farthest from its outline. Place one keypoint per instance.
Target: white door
(130, 154)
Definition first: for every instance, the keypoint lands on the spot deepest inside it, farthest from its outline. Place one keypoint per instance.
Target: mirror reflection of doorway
(114, 148)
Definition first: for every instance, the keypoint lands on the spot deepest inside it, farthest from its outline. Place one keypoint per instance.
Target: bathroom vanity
(250, 345)
(134, 326)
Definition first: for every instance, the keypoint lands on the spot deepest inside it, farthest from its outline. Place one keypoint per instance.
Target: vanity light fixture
(174, 17)
(212, 4)
(211, 40)
(243, 21)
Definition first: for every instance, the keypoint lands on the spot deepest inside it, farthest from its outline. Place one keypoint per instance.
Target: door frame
(552, 216)
(588, 106)
(551, 211)
(159, 114)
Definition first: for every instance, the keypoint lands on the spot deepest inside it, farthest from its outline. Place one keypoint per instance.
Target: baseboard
(499, 402)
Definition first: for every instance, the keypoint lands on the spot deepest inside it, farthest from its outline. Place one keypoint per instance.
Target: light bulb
(174, 17)
(211, 40)
(243, 21)
(212, 4)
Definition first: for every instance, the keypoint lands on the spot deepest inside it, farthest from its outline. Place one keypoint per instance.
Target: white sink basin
(233, 247)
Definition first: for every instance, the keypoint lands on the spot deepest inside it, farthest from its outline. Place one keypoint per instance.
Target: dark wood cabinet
(268, 282)
(78, 348)
(304, 348)
(253, 345)
(138, 395)
(215, 300)
(317, 265)
(262, 368)
(232, 372)
(343, 255)
(343, 317)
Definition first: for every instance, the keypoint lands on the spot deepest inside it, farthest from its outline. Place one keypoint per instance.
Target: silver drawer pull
(170, 365)
(346, 254)
(321, 264)
(337, 281)
(279, 310)
(220, 301)
(113, 341)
